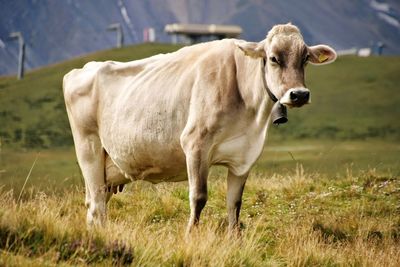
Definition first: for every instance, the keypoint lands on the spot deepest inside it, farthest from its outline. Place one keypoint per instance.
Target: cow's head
(285, 55)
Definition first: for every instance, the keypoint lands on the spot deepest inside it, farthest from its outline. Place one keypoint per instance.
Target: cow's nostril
(293, 96)
(306, 95)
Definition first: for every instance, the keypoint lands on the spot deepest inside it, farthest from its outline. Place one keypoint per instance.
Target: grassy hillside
(354, 98)
(32, 111)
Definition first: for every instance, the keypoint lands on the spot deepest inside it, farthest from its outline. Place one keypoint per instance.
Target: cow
(170, 117)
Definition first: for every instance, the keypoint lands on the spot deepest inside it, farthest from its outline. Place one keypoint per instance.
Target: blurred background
(352, 124)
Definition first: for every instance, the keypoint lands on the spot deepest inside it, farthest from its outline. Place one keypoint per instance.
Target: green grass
(55, 170)
(333, 158)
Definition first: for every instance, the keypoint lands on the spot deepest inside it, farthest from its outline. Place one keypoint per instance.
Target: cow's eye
(274, 60)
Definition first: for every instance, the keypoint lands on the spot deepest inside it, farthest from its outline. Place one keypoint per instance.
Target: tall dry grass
(297, 219)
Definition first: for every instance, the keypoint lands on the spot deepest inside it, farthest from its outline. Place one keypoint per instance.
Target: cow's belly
(140, 159)
(166, 163)
(143, 139)
(172, 169)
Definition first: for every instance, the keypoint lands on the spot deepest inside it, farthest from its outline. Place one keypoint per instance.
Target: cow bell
(279, 113)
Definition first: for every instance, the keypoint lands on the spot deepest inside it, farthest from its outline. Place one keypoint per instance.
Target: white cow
(170, 117)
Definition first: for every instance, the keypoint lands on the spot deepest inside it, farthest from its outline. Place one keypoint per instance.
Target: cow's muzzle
(296, 97)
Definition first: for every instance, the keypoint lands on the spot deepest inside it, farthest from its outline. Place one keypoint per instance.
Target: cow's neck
(252, 89)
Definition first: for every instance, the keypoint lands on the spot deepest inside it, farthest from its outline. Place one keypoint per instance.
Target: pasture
(325, 192)
(290, 217)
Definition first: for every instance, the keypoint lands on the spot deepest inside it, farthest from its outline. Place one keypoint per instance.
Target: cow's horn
(279, 113)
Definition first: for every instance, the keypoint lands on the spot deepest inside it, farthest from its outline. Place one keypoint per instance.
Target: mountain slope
(58, 30)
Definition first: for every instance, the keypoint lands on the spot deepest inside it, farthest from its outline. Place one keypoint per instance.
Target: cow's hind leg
(234, 199)
(90, 156)
(82, 103)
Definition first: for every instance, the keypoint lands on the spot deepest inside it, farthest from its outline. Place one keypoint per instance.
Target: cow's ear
(254, 50)
(321, 54)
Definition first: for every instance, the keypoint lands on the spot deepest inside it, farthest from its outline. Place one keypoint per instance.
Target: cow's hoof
(95, 219)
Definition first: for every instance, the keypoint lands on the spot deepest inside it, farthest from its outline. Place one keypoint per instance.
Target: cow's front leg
(197, 169)
(234, 199)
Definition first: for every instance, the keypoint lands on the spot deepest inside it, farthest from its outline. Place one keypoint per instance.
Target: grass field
(325, 192)
(292, 218)
(311, 203)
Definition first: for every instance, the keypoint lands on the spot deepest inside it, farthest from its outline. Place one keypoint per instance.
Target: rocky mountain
(58, 30)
